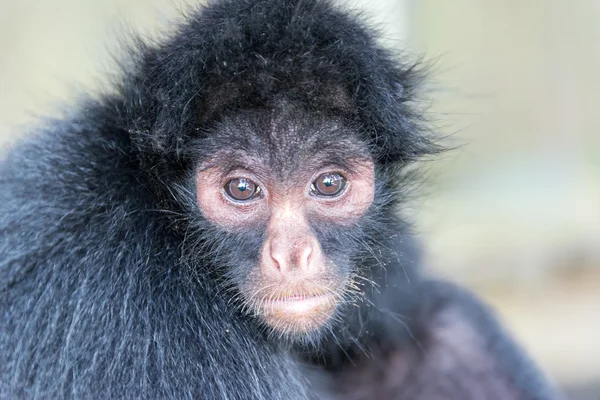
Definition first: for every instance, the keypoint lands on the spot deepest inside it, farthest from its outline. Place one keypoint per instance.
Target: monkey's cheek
(299, 316)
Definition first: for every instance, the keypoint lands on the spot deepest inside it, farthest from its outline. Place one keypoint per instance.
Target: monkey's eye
(242, 189)
(328, 184)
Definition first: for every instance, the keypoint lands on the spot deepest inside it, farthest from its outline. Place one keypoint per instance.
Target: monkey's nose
(288, 255)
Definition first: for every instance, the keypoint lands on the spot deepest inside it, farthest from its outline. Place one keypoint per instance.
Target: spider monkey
(224, 225)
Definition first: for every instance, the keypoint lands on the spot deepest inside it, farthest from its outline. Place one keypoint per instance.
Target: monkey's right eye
(242, 189)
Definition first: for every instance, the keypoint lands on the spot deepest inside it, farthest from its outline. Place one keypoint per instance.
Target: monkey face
(289, 200)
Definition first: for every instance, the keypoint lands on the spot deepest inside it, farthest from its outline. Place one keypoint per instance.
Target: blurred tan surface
(514, 212)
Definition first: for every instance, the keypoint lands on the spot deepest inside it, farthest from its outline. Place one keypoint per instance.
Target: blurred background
(513, 212)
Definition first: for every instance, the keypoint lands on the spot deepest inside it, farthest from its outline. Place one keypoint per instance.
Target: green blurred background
(514, 212)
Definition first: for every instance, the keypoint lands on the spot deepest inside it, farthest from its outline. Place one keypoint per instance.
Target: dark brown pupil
(240, 189)
(329, 184)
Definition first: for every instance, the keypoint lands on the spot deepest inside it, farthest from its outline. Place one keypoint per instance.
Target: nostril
(275, 263)
(272, 262)
(305, 256)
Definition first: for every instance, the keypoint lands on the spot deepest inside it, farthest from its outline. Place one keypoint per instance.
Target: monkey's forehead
(284, 138)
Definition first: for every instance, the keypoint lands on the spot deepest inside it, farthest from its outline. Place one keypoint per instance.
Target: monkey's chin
(296, 316)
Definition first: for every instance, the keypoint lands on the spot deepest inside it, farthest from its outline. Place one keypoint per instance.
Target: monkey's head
(285, 128)
(289, 192)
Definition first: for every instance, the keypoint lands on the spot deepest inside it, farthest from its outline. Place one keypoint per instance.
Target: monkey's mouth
(300, 303)
(297, 313)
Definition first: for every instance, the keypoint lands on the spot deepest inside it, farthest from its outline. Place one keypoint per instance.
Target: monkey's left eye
(242, 189)
(328, 184)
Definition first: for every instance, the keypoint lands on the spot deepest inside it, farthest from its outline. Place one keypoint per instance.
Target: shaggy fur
(112, 285)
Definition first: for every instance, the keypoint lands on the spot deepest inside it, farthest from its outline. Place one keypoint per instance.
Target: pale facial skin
(295, 289)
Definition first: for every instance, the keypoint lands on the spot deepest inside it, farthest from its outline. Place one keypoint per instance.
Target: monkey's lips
(300, 303)
(298, 313)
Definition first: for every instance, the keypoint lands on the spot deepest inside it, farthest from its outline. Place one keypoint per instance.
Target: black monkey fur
(110, 284)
